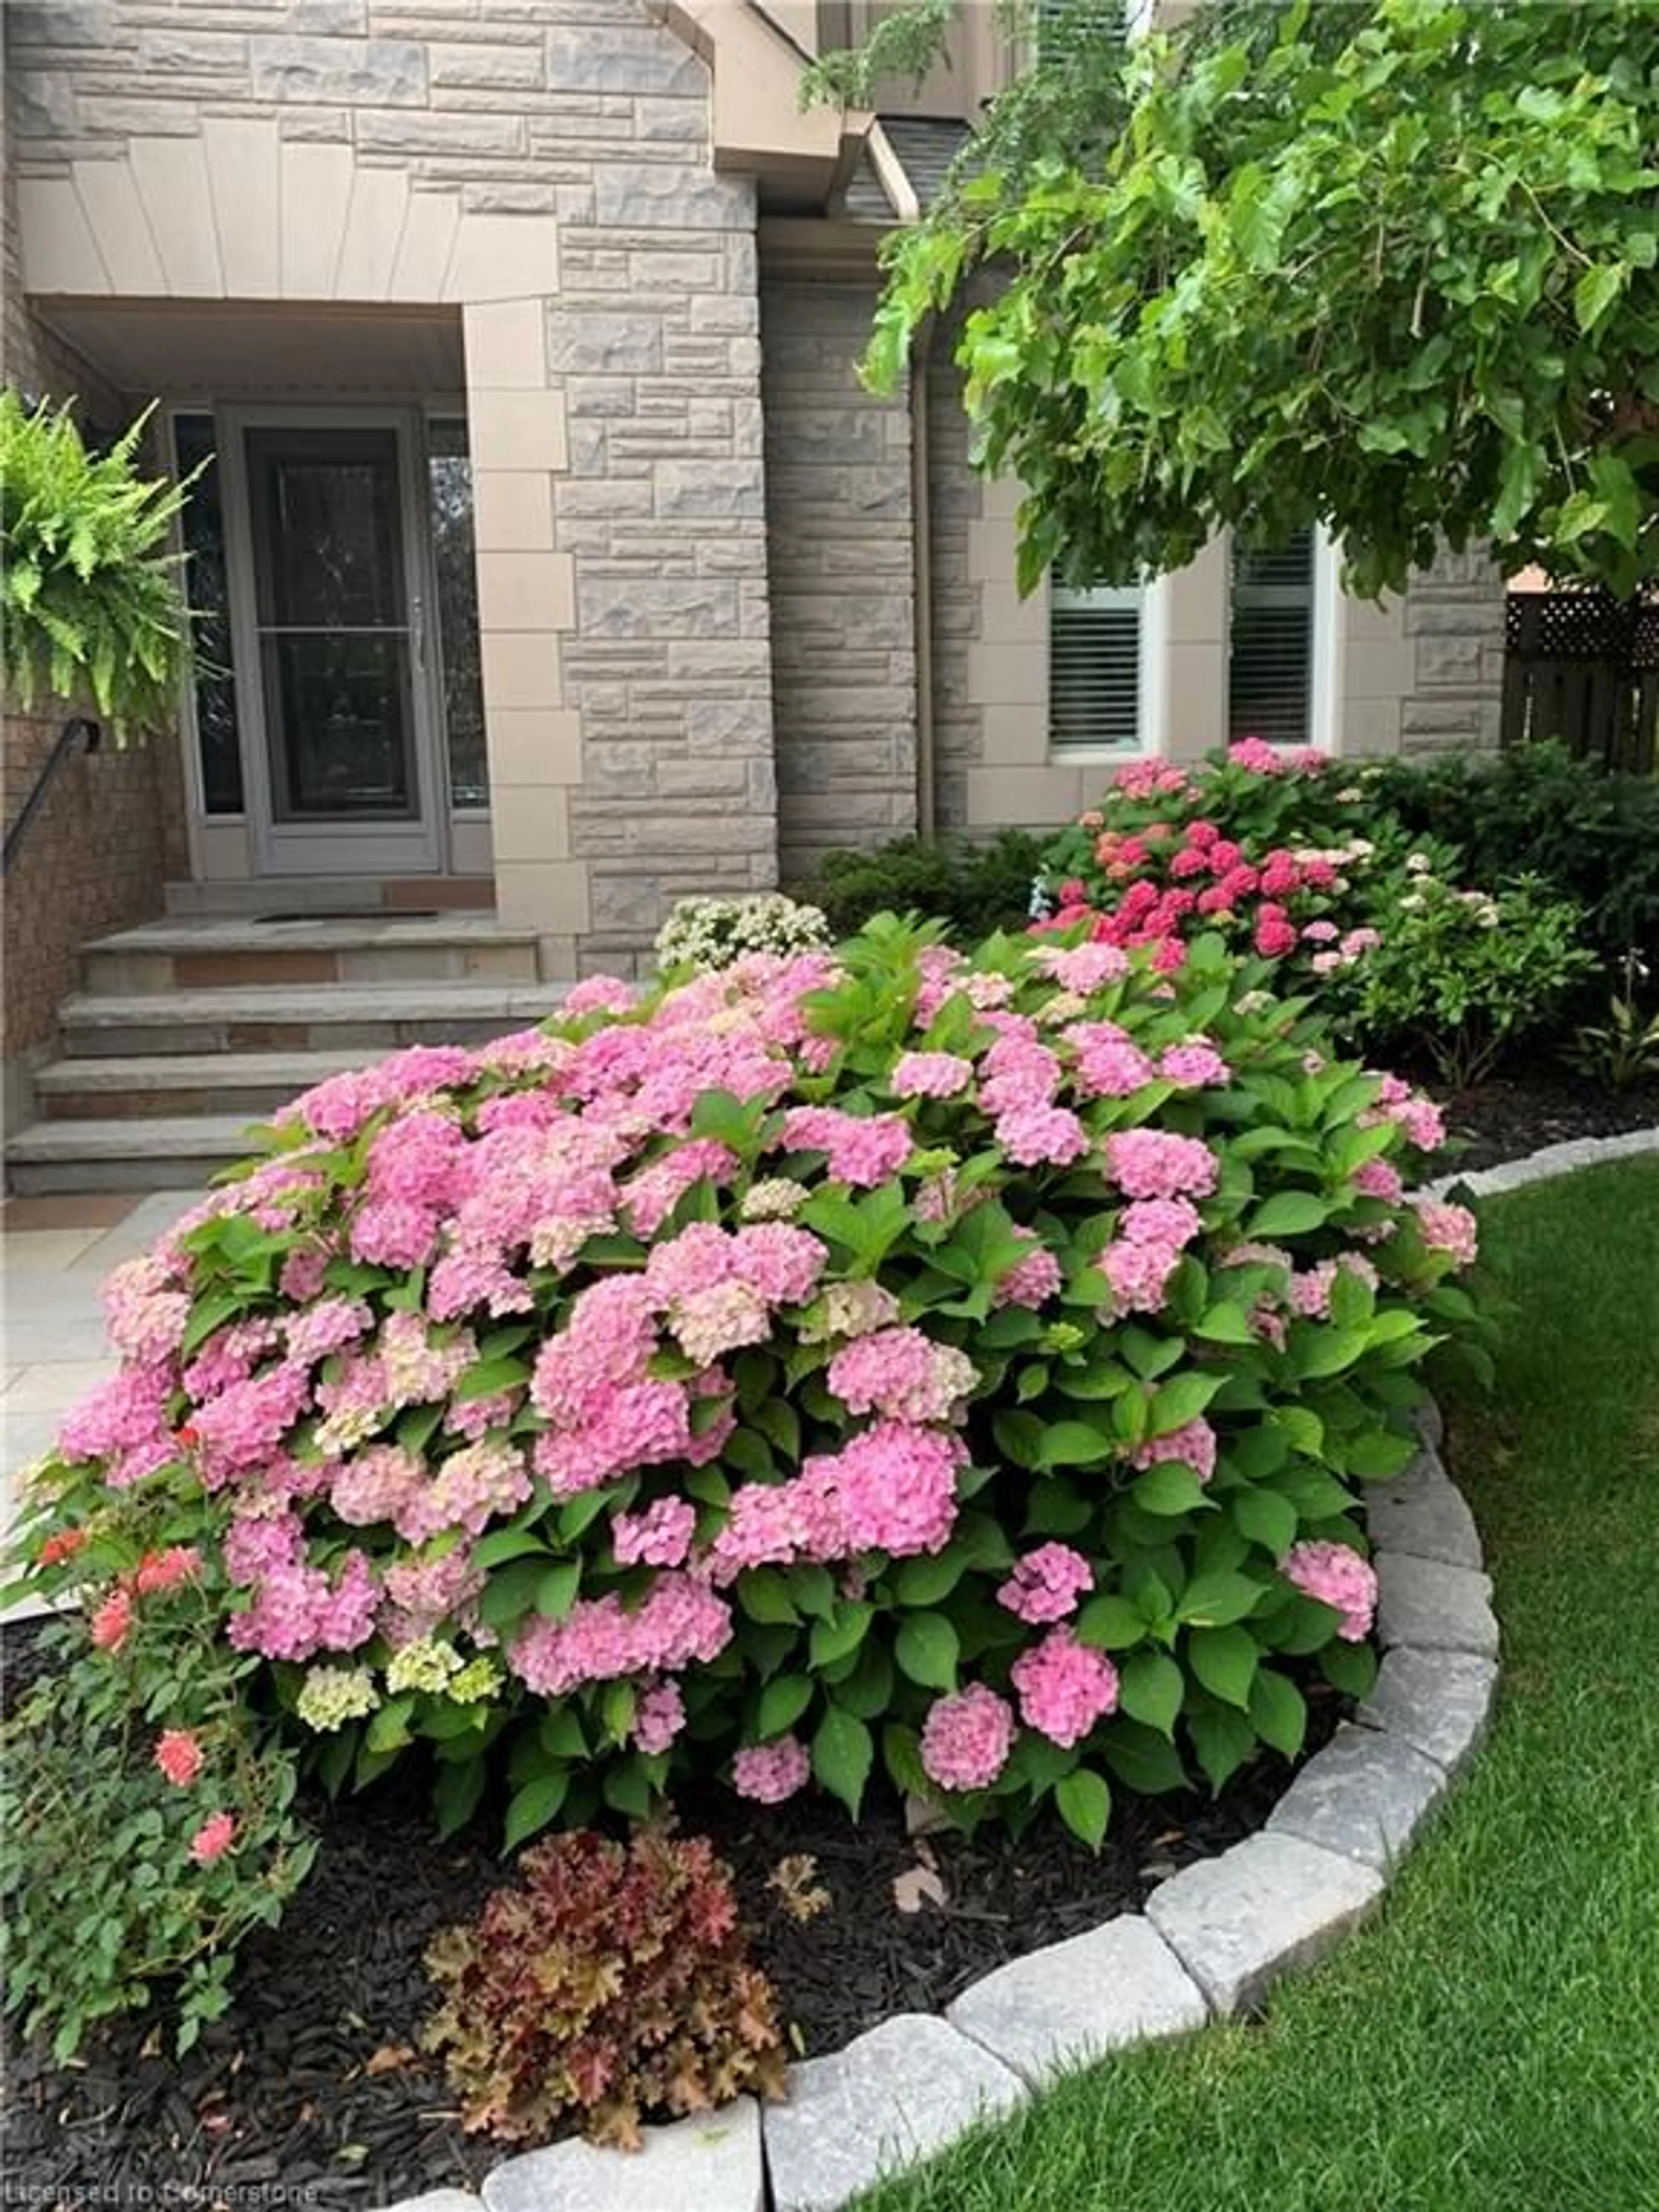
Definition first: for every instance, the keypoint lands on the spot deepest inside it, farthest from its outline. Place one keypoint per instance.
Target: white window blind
(1094, 667)
(1270, 665)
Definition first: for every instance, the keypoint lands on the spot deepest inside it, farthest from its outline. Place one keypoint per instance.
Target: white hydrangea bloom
(331, 1696)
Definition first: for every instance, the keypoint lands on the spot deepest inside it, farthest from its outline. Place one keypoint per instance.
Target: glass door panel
(332, 611)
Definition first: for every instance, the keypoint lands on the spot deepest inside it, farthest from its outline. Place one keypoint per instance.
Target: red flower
(178, 1755)
(63, 1546)
(160, 1571)
(111, 1620)
(213, 1838)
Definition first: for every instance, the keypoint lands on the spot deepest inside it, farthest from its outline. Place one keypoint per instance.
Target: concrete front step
(253, 1084)
(163, 1154)
(274, 1018)
(215, 954)
(326, 895)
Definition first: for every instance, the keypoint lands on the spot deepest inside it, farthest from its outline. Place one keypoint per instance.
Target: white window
(1095, 639)
(1271, 661)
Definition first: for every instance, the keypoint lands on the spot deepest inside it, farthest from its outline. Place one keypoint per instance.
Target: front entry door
(338, 701)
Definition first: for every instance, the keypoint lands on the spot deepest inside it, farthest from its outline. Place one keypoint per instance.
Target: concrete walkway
(54, 1256)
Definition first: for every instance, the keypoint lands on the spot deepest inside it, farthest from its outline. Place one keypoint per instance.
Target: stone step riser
(51, 1178)
(258, 1102)
(118, 973)
(329, 895)
(321, 1034)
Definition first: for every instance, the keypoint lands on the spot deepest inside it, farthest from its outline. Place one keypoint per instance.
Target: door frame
(344, 848)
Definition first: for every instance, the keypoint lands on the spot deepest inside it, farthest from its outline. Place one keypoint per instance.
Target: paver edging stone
(1214, 1923)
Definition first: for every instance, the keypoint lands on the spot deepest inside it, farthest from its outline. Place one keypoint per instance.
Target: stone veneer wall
(1455, 619)
(654, 340)
(838, 482)
(544, 166)
(98, 852)
(957, 500)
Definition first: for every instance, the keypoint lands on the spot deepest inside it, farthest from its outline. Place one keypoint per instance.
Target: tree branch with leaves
(1389, 266)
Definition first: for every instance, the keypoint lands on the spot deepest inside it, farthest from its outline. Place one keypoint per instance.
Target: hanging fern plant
(91, 602)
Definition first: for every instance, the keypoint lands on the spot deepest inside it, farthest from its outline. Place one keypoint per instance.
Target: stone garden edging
(1210, 1944)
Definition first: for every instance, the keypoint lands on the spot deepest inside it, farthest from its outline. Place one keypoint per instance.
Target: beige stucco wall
(546, 166)
(838, 479)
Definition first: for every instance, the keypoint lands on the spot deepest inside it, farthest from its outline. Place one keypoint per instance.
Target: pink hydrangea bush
(965, 1367)
(1277, 849)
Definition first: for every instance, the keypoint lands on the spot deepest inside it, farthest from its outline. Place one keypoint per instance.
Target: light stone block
(243, 166)
(520, 671)
(710, 2163)
(425, 249)
(110, 200)
(1433, 1606)
(512, 511)
(652, 196)
(622, 60)
(1438, 1702)
(339, 72)
(440, 2200)
(1365, 1795)
(506, 344)
(709, 489)
(533, 746)
(60, 253)
(504, 257)
(529, 822)
(173, 180)
(1267, 1906)
(316, 192)
(549, 896)
(524, 591)
(487, 67)
(1063, 2005)
(585, 343)
(1423, 1512)
(905, 2090)
(59, 23)
(375, 214)
(518, 430)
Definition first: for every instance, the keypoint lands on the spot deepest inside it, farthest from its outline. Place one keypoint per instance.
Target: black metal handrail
(80, 733)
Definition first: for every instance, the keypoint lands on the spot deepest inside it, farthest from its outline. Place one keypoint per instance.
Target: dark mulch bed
(1513, 1115)
(311, 2082)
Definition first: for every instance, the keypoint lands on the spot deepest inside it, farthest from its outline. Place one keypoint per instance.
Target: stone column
(1454, 618)
(527, 604)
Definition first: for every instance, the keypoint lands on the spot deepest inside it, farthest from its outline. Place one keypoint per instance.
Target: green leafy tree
(1388, 266)
(91, 597)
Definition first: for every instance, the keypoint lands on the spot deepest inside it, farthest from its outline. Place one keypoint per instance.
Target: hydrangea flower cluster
(710, 933)
(775, 1369)
(1261, 843)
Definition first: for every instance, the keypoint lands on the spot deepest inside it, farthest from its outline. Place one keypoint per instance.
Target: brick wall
(843, 598)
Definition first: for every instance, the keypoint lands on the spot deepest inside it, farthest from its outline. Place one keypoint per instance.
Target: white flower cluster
(1426, 888)
(709, 933)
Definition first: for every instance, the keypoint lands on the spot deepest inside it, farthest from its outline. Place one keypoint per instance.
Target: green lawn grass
(1490, 2042)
